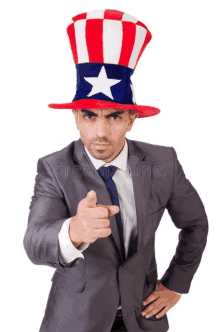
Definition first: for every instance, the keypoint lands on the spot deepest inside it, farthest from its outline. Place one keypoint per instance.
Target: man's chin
(99, 154)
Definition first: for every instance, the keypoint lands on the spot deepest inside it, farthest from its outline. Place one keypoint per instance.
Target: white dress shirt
(123, 181)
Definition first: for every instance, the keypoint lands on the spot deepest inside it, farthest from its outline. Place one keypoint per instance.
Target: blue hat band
(107, 82)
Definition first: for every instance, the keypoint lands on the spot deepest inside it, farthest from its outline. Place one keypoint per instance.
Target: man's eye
(87, 115)
(115, 117)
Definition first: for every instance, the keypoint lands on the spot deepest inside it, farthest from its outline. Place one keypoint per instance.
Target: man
(98, 202)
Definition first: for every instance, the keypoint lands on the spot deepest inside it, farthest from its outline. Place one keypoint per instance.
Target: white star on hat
(101, 84)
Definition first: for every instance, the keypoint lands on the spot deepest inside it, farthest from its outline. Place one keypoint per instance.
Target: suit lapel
(140, 168)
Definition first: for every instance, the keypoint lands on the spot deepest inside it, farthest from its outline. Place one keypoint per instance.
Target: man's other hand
(163, 299)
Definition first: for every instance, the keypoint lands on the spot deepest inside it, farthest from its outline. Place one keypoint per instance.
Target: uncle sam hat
(106, 47)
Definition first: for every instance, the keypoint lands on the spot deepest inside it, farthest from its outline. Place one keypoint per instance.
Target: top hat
(106, 46)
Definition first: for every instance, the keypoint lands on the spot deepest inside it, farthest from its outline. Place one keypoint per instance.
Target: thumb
(90, 200)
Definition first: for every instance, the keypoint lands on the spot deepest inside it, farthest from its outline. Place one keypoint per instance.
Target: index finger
(109, 207)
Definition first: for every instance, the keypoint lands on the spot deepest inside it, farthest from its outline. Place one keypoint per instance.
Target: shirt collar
(120, 161)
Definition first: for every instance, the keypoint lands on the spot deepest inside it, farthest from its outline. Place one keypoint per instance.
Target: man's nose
(102, 128)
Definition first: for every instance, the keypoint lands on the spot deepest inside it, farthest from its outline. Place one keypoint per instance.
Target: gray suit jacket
(84, 294)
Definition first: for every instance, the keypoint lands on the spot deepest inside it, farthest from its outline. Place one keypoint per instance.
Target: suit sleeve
(48, 211)
(188, 214)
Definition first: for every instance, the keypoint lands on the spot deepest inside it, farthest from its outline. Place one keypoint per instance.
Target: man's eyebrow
(115, 113)
(88, 112)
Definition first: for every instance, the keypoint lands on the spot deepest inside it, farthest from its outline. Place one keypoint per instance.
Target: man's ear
(133, 115)
(76, 114)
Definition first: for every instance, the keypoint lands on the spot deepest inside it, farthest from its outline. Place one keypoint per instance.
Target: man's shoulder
(64, 155)
(150, 146)
(153, 151)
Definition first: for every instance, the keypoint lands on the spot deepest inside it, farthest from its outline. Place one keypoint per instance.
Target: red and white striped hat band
(107, 37)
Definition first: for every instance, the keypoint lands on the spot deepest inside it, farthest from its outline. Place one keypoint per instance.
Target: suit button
(82, 289)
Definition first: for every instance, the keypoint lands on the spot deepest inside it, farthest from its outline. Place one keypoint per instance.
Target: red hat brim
(143, 111)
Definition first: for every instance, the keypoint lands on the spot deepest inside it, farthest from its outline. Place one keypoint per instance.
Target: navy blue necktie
(107, 174)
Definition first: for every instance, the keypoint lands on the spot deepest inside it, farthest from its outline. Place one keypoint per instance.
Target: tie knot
(107, 172)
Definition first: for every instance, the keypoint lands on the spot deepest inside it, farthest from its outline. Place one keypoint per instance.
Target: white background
(178, 73)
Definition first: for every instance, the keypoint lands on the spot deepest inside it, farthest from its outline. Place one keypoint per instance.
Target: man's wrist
(76, 244)
(74, 241)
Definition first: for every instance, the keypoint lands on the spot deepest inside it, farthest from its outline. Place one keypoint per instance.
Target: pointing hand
(91, 221)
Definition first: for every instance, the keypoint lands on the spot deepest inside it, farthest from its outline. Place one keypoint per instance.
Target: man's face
(103, 130)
